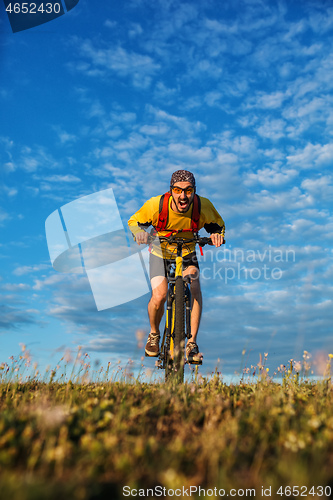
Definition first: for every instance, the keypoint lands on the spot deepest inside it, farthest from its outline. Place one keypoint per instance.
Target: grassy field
(117, 439)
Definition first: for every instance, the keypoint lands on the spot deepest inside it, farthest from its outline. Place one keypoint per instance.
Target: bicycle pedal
(194, 361)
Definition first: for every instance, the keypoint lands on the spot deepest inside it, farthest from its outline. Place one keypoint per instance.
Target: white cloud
(69, 178)
(10, 191)
(159, 129)
(64, 136)
(110, 24)
(15, 287)
(321, 22)
(34, 158)
(21, 270)
(308, 108)
(238, 145)
(212, 98)
(164, 93)
(312, 156)
(188, 153)
(12, 317)
(141, 68)
(320, 188)
(273, 129)
(134, 141)
(124, 117)
(270, 177)
(4, 216)
(268, 101)
(135, 30)
(269, 202)
(180, 122)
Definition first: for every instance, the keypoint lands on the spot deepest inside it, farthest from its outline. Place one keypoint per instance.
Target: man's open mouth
(183, 203)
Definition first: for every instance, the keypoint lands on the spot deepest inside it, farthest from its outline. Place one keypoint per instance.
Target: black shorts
(159, 266)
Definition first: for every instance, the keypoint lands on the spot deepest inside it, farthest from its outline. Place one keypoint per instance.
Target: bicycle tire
(179, 333)
(169, 326)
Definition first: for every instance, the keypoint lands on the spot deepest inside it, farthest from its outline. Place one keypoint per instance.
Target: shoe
(194, 357)
(153, 345)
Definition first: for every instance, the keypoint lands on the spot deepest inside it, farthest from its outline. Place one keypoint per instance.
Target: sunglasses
(178, 190)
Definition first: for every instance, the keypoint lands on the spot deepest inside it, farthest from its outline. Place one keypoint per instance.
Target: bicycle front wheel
(179, 331)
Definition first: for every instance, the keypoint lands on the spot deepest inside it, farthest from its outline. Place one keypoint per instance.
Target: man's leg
(155, 313)
(156, 304)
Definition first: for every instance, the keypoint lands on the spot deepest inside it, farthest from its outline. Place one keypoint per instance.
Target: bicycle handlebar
(200, 240)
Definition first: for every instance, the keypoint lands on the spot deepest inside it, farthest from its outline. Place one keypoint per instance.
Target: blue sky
(119, 95)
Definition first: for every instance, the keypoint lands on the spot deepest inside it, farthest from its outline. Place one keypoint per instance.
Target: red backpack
(164, 212)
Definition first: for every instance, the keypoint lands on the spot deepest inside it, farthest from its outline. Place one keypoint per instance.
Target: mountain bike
(178, 311)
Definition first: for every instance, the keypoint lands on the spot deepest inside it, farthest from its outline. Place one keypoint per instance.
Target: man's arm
(213, 223)
(142, 218)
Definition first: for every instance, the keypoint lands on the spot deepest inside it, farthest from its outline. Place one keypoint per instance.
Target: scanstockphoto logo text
(228, 264)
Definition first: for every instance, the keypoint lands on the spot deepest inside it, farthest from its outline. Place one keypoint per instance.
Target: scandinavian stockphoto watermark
(228, 264)
(24, 15)
(88, 236)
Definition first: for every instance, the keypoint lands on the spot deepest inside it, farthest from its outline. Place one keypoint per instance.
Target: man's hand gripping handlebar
(216, 239)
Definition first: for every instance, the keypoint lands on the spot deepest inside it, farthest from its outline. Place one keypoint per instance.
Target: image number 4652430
(24, 15)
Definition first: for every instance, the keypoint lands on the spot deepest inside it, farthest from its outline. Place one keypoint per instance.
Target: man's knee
(193, 273)
(159, 297)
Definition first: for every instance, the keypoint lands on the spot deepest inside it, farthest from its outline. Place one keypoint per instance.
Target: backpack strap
(196, 213)
(164, 212)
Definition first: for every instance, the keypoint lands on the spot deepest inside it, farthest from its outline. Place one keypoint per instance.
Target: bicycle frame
(178, 312)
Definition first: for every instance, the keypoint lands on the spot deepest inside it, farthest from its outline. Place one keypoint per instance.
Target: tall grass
(87, 437)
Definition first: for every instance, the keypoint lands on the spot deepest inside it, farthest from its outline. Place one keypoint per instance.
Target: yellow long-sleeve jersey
(148, 215)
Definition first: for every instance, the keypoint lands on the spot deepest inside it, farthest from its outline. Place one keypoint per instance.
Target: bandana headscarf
(182, 176)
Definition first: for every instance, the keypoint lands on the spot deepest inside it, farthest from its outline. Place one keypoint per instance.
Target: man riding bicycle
(179, 209)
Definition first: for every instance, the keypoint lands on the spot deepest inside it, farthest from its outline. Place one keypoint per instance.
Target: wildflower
(68, 356)
(330, 356)
(140, 336)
